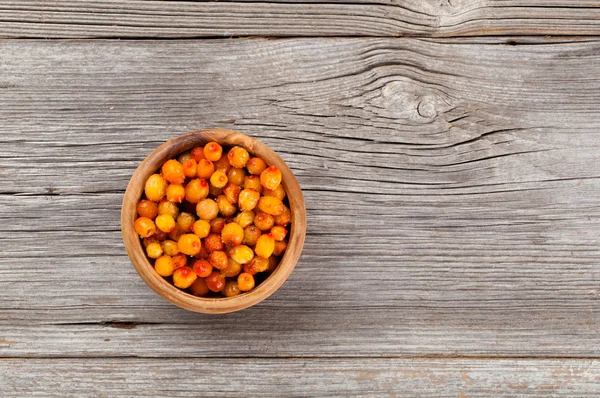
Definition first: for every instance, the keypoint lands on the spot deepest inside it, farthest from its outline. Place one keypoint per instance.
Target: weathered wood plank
(176, 19)
(299, 378)
(451, 190)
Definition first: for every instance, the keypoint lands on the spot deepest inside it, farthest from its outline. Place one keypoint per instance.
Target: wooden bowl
(137, 254)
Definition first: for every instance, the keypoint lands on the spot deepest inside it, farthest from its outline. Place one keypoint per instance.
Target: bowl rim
(137, 255)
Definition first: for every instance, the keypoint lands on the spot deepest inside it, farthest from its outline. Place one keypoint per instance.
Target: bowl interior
(136, 252)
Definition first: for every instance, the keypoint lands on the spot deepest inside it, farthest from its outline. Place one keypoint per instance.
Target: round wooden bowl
(137, 254)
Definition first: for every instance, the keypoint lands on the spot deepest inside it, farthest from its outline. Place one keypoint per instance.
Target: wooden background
(449, 153)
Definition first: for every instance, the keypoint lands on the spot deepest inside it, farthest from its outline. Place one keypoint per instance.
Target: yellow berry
(231, 289)
(254, 183)
(233, 268)
(242, 254)
(231, 192)
(238, 157)
(189, 244)
(278, 192)
(155, 188)
(184, 157)
(144, 227)
(154, 250)
(270, 178)
(245, 282)
(207, 209)
(218, 179)
(170, 208)
(236, 176)
(196, 190)
(265, 246)
(225, 207)
(232, 234)
(170, 248)
(244, 218)
(248, 199)
(183, 277)
(165, 223)
(185, 221)
(164, 266)
(201, 228)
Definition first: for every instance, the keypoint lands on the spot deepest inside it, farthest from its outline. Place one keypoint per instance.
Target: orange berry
(172, 171)
(147, 208)
(183, 277)
(265, 246)
(244, 218)
(175, 193)
(278, 192)
(189, 244)
(213, 242)
(169, 208)
(180, 260)
(176, 233)
(215, 281)
(238, 157)
(165, 223)
(231, 192)
(251, 235)
(207, 209)
(196, 190)
(205, 169)
(273, 262)
(232, 234)
(248, 199)
(270, 178)
(197, 153)
(217, 225)
(190, 168)
(231, 289)
(253, 182)
(201, 228)
(284, 218)
(144, 227)
(225, 207)
(258, 264)
(264, 221)
(256, 166)
(184, 157)
(159, 235)
(278, 232)
(218, 259)
(218, 179)
(271, 205)
(202, 268)
(236, 176)
(155, 188)
(185, 221)
(245, 282)
(279, 248)
(233, 268)
(242, 254)
(170, 248)
(164, 266)
(199, 288)
(222, 165)
(213, 151)
(154, 250)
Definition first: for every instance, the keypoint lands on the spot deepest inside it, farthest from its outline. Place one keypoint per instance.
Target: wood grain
(451, 188)
(181, 19)
(300, 378)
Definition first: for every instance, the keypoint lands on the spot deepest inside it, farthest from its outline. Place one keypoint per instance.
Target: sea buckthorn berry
(231, 192)
(202, 254)
(232, 234)
(213, 151)
(284, 218)
(213, 243)
(198, 153)
(233, 269)
(160, 235)
(222, 165)
(185, 221)
(205, 169)
(207, 209)
(201, 228)
(265, 246)
(278, 232)
(278, 192)
(184, 156)
(270, 178)
(189, 244)
(147, 208)
(175, 193)
(214, 191)
(149, 240)
(215, 281)
(256, 166)
(196, 190)
(170, 248)
(202, 268)
(251, 235)
(218, 179)
(231, 289)
(176, 233)
(155, 188)
(164, 266)
(242, 254)
(236, 176)
(253, 182)
(264, 221)
(258, 264)
(279, 248)
(144, 227)
(154, 250)
(238, 157)
(273, 263)
(271, 205)
(183, 277)
(218, 259)
(180, 260)
(172, 171)
(225, 207)
(245, 282)
(165, 223)
(248, 199)
(217, 225)
(199, 288)
(190, 168)
(169, 208)
(244, 218)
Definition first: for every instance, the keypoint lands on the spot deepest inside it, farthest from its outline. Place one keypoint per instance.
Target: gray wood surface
(301, 378)
(176, 19)
(453, 216)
